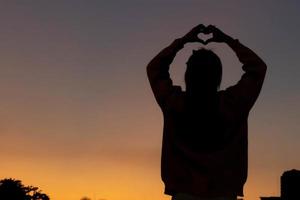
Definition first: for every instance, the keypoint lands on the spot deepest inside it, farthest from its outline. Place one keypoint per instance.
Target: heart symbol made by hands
(205, 36)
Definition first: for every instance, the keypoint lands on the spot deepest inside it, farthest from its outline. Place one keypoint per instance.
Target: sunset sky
(77, 116)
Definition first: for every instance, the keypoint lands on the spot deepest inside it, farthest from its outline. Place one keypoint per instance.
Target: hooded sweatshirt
(205, 156)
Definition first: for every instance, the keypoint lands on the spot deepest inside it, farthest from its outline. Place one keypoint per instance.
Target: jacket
(186, 167)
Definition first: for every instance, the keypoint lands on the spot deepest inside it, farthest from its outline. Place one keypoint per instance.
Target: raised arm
(246, 91)
(158, 68)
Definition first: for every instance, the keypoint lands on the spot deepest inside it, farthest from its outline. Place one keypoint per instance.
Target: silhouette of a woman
(204, 150)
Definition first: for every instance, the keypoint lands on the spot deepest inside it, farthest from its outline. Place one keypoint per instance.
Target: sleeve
(158, 73)
(246, 91)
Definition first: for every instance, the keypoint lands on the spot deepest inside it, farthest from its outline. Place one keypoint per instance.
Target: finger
(211, 26)
(200, 28)
(209, 29)
(201, 41)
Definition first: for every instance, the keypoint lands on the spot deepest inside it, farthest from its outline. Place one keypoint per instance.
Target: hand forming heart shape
(205, 37)
(201, 31)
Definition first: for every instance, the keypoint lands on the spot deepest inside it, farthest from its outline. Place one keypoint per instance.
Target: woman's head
(204, 72)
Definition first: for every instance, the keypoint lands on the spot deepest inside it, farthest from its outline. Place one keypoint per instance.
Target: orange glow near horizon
(110, 175)
(105, 181)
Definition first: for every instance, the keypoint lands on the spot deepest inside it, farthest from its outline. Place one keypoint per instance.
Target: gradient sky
(77, 116)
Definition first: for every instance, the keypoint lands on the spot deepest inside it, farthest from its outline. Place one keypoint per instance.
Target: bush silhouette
(11, 189)
(85, 198)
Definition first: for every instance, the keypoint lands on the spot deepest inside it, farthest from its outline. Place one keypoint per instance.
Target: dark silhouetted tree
(11, 189)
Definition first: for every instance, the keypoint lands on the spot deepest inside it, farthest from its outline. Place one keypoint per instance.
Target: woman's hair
(204, 70)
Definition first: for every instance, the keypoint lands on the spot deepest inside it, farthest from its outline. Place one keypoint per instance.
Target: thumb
(200, 40)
